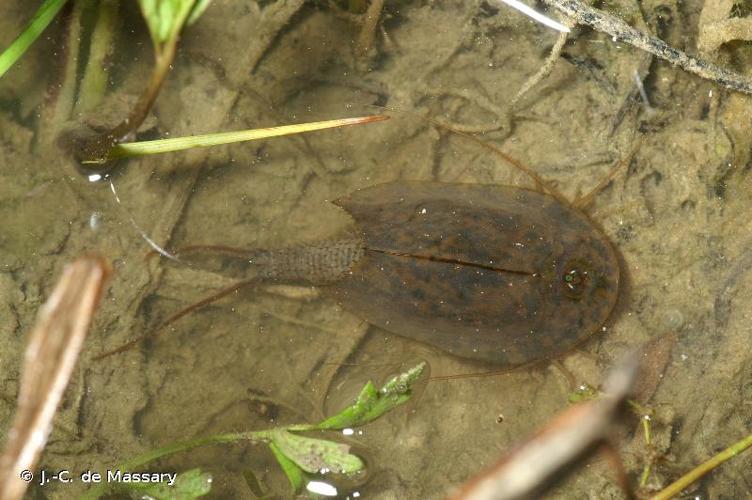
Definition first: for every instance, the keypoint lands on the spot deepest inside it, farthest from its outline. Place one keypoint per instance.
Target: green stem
(395, 392)
(98, 150)
(38, 23)
(62, 94)
(96, 74)
(162, 66)
(150, 456)
(695, 474)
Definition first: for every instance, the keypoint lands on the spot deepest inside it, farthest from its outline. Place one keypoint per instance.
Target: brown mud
(678, 214)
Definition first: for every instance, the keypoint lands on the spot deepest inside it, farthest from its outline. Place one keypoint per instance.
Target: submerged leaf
(317, 455)
(584, 392)
(190, 484)
(355, 414)
(371, 404)
(294, 474)
(165, 18)
(197, 11)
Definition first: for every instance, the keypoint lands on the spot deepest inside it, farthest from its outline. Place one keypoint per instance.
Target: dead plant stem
(620, 31)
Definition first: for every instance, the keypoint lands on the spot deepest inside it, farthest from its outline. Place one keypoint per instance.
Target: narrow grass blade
(675, 488)
(202, 141)
(39, 22)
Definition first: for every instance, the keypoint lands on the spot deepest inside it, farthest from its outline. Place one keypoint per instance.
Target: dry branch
(620, 31)
(54, 346)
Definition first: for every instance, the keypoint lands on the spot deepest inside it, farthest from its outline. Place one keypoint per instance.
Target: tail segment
(316, 263)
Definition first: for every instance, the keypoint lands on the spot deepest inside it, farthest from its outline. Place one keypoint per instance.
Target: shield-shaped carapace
(494, 273)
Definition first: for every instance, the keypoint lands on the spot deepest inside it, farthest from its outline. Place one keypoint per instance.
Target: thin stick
(568, 437)
(609, 452)
(367, 32)
(544, 70)
(620, 31)
(54, 346)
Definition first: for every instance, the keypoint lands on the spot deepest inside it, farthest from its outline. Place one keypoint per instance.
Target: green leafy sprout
(166, 18)
(298, 456)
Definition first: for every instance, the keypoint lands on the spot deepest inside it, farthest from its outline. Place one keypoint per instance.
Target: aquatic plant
(300, 457)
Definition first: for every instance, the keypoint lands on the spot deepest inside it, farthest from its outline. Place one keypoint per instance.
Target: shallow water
(263, 357)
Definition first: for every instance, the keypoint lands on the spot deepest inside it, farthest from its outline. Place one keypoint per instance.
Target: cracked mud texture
(677, 213)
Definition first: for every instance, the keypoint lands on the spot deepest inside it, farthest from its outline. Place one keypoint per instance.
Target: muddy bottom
(676, 211)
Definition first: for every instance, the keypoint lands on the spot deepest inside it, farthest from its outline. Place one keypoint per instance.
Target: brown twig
(571, 435)
(368, 31)
(54, 346)
(620, 31)
(546, 68)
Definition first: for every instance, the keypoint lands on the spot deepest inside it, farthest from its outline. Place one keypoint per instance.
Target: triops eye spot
(575, 279)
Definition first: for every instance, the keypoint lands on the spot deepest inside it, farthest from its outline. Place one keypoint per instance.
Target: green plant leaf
(188, 485)
(355, 414)
(584, 392)
(296, 455)
(294, 474)
(173, 144)
(197, 11)
(371, 404)
(317, 455)
(165, 18)
(43, 17)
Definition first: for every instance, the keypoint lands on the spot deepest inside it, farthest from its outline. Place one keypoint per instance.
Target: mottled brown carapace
(494, 273)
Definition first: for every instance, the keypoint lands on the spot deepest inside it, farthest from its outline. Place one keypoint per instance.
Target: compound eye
(575, 280)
